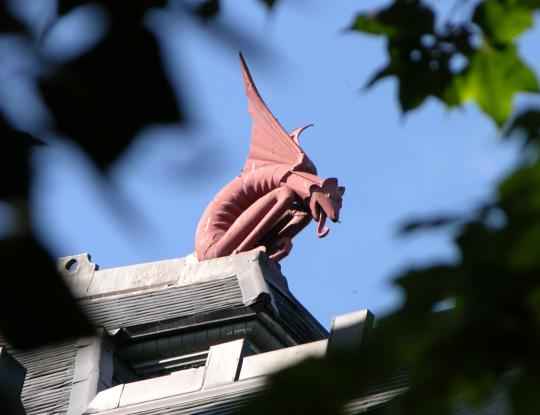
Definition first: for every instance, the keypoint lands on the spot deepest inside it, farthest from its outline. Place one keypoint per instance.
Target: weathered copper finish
(275, 197)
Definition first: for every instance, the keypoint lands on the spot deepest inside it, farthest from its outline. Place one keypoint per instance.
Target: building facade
(177, 337)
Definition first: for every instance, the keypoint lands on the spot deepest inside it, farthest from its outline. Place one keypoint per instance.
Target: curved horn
(295, 134)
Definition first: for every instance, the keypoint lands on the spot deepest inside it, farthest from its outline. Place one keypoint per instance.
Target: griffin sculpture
(276, 195)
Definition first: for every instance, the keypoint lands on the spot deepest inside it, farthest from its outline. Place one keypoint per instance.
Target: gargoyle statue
(276, 195)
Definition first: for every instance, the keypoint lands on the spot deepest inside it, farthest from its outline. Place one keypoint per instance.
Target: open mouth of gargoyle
(322, 229)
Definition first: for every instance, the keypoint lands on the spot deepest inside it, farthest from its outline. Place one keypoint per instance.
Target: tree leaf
(395, 20)
(502, 20)
(207, 10)
(269, 3)
(526, 122)
(492, 78)
(524, 252)
(104, 97)
(15, 166)
(524, 395)
(380, 75)
(519, 193)
(136, 8)
(418, 81)
(421, 71)
(370, 23)
(426, 287)
(533, 4)
(8, 23)
(429, 223)
(36, 306)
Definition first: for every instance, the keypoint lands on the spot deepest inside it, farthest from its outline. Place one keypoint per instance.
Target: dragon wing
(270, 143)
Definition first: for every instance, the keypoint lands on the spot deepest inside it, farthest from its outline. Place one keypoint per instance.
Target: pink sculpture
(276, 195)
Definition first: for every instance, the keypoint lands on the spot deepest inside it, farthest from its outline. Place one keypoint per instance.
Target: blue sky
(393, 167)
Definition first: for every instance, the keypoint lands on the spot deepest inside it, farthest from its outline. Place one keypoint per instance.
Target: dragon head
(325, 202)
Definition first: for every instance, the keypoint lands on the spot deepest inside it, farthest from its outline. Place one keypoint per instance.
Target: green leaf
(533, 4)
(418, 83)
(528, 123)
(533, 301)
(369, 23)
(379, 75)
(395, 20)
(418, 78)
(524, 253)
(519, 193)
(503, 20)
(426, 287)
(492, 78)
(524, 395)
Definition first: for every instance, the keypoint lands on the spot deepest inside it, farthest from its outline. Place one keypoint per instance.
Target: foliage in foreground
(485, 342)
(98, 99)
(484, 345)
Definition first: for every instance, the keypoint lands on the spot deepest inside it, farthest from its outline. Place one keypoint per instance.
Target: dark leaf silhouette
(8, 23)
(207, 10)
(465, 332)
(117, 10)
(430, 223)
(269, 3)
(484, 340)
(104, 97)
(15, 165)
(36, 307)
(395, 20)
(421, 55)
(526, 122)
(100, 100)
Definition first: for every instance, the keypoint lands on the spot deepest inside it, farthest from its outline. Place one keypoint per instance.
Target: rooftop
(179, 335)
